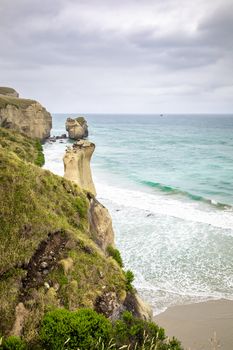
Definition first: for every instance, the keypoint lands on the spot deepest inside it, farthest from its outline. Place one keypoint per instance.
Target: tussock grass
(15, 101)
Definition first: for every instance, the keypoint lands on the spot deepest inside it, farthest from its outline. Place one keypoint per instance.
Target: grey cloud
(56, 41)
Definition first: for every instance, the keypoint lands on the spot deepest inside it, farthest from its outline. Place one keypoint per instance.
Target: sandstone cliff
(77, 165)
(26, 116)
(100, 223)
(77, 128)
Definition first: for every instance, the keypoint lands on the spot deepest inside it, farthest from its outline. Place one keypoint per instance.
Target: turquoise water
(168, 184)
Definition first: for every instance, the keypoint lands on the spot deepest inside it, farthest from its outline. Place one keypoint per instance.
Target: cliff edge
(23, 115)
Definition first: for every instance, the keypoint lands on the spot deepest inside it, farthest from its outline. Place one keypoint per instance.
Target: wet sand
(196, 324)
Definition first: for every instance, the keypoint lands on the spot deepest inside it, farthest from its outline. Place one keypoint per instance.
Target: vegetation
(62, 329)
(129, 276)
(6, 90)
(24, 147)
(113, 252)
(85, 329)
(15, 101)
(13, 343)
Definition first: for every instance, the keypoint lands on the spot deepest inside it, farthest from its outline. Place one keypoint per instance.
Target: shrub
(13, 343)
(129, 280)
(174, 344)
(132, 330)
(82, 329)
(115, 254)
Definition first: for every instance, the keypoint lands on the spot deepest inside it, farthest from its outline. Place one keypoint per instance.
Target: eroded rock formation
(77, 128)
(26, 116)
(100, 224)
(77, 165)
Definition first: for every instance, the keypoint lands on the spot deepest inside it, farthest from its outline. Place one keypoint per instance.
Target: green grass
(24, 147)
(115, 254)
(15, 101)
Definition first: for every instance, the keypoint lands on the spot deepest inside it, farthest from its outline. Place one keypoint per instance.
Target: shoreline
(196, 324)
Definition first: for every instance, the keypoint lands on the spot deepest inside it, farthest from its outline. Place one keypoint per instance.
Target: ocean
(168, 184)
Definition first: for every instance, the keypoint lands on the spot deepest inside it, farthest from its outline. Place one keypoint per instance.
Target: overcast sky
(119, 56)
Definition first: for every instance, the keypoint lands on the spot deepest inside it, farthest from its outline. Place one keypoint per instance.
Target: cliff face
(48, 255)
(26, 116)
(100, 223)
(77, 128)
(77, 165)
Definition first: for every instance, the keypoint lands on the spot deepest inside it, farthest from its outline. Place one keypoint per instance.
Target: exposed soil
(42, 262)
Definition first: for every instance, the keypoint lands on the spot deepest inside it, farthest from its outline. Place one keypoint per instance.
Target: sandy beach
(196, 324)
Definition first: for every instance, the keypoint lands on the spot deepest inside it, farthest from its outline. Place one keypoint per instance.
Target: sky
(119, 56)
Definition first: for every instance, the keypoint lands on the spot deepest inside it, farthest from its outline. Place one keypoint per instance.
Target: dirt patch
(42, 262)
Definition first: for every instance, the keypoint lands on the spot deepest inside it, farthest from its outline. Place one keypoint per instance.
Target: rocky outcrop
(137, 306)
(77, 128)
(77, 165)
(6, 91)
(26, 116)
(100, 223)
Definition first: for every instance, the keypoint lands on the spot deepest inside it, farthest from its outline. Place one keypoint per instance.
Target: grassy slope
(14, 101)
(35, 203)
(25, 148)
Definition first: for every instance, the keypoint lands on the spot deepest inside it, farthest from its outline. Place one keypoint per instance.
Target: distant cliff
(26, 116)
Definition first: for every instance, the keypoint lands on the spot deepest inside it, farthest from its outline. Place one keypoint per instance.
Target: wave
(175, 191)
(165, 205)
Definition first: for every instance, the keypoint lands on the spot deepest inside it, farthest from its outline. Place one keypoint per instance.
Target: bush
(115, 254)
(129, 280)
(13, 343)
(132, 330)
(62, 329)
(85, 329)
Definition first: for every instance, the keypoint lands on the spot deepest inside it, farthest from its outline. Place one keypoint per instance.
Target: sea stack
(26, 116)
(77, 128)
(77, 165)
